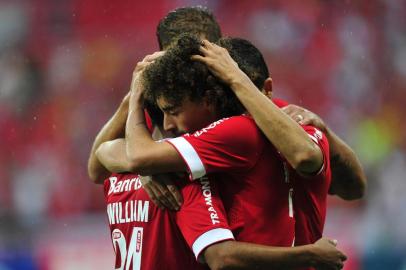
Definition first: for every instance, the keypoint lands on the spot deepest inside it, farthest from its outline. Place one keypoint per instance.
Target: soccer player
(249, 169)
(310, 186)
(144, 236)
(348, 178)
(125, 196)
(200, 18)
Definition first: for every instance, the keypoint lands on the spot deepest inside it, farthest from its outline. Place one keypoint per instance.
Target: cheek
(186, 123)
(196, 123)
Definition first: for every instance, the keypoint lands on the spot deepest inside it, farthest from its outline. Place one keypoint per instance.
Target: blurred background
(65, 65)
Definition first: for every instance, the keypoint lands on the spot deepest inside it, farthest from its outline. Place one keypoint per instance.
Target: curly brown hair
(175, 77)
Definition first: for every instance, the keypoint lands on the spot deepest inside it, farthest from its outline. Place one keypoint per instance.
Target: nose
(169, 124)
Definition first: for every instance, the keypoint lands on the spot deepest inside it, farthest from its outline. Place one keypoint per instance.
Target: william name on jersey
(129, 211)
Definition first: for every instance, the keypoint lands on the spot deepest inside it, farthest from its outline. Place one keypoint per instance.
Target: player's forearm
(113, 129)
(146, 156)
(112, 155)
(284, 133)
(238, 255)
(348, 178)
(138, 139)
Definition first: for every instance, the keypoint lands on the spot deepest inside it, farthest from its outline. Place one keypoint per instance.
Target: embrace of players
(203, 169)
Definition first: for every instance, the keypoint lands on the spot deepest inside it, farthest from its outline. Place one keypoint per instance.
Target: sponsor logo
(207, 194)
(139, 238)
(211, 126)
(123, 185)
(116, 235)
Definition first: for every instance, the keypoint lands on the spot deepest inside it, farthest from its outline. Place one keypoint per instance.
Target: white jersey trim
(189, 154)
(318, 135)
(209, 238)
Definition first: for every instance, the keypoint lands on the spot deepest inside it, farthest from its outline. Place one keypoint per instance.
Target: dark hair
(196, 20)
(156, 115)
(248, 58)
(176, 77)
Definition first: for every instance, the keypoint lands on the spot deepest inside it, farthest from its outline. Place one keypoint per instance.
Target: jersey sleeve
(321, 140)
(202, 219)
(228, 145)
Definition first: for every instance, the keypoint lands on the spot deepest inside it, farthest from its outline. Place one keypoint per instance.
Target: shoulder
(236, 127)
(233, 143)
(237, 133)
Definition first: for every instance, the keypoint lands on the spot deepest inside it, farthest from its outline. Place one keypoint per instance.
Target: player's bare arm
(348, 178)
(162, 191)
(237, 255)
(113, 129)
(117, 156)
(285, 134)
(146, 156)
(112, 155)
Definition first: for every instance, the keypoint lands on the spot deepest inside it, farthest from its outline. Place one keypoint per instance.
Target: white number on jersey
(134, 249)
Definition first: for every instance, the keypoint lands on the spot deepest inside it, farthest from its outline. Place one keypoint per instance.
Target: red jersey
(310, 192)
(253, 185)
(146, 237)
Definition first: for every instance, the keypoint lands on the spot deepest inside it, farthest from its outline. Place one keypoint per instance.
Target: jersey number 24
(133, 254)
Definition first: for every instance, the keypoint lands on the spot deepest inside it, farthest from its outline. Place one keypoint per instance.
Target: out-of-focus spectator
(64, 66)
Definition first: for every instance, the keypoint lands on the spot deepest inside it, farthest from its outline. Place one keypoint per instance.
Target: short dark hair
(249, 59)
(176, 77)
(197, 20)
(156, 115)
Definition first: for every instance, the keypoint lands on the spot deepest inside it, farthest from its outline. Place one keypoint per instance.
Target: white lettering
(120, 214)
(143, 211)
(132, 183)
(132, 211)
(214, 218)
(135, 249)
(138, 184)
(116, 215)
(206, 191)
(110, 213)
(124, 185)
(113, 181)
(118, 187)
(119, 245)
(211, 126)
(127, 218)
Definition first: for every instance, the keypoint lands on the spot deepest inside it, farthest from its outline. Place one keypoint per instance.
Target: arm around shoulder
(239, 255)
(113, 129)
(348, 178)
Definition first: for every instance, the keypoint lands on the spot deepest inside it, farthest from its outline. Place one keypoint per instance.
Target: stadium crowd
(65, 65)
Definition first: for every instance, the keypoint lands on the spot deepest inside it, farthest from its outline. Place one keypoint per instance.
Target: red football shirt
(253, 186)
(146, 237)
(310, 192)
